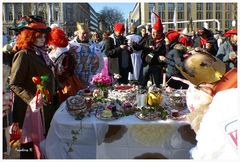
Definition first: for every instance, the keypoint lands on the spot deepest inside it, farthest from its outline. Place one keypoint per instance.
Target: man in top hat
(228, 50)
(210, 47)
(118, 53)
(203, 36)
(152, 48)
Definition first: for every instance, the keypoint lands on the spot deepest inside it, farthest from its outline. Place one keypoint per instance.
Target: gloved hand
(35, 104)
(15, 135)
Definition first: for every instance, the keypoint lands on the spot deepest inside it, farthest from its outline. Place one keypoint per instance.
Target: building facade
(64, 14)
(225, 13)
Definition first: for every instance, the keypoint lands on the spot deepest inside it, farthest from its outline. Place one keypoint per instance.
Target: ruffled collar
(54, 55)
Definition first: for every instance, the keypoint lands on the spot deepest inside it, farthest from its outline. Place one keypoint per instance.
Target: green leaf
(73, 132)
(70, 149)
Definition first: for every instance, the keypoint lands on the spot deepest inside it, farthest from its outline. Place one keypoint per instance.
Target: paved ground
(13, 155)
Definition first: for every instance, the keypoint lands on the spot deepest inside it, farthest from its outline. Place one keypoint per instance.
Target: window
(228, 15)
(41, 13)
(10, 16)
(209, 15)
(170, 15)
(19, 15)
(218, 15)
(228, 24)
(180, 25)
(56, 15)
(228, 6)
(162, 15)
(199, 24)
(151, 6)
(218, 6)
(170, 26)
(181, 15)
(209, 6)
(170, 6)
(199, 6)
(69, 12)
(210, 25)
(161, 7)
(199, 15)
(180, 6)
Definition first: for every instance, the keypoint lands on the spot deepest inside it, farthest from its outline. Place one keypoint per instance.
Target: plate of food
(177, 115)
(148, 117)
(108, 115)
(123, 87)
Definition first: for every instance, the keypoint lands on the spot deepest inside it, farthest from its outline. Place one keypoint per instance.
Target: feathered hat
(158, 24)
(32, 22)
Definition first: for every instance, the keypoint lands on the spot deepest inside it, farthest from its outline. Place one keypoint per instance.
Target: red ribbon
(40, 82)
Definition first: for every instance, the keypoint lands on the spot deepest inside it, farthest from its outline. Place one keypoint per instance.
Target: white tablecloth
(124, 138)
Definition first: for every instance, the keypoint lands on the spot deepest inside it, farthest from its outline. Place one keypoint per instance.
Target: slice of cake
(106, 113)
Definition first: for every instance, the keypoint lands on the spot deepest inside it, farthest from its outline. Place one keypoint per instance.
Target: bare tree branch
(111, 16)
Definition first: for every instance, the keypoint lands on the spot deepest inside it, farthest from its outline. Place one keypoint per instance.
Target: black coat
(114, 54)
(145, 44)
(175, 57)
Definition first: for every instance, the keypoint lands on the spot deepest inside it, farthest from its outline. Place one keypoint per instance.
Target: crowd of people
(69, 65)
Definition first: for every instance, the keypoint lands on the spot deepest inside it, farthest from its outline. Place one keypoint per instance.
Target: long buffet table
(124, 138)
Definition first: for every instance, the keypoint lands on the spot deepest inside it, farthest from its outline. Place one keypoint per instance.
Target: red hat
(172, 35)
(57, 38)
(229, 33)
(158, 24)
(119, 28)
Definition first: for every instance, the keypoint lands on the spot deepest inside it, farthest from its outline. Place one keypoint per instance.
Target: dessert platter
(152, 113)
(148, 117)
(177, 99)
(123, 92)
(76, 105)
(110, 112)
(177, 115)
(128, 108)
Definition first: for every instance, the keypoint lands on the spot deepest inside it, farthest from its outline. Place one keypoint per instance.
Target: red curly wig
(57, 38)
(29, 36)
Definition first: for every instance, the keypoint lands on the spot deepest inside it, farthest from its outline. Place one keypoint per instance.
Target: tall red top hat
(119, 28)
(158, 24)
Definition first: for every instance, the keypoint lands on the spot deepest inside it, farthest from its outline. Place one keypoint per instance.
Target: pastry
(76, 105)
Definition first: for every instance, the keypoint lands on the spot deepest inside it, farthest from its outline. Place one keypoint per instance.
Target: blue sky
(124, 7)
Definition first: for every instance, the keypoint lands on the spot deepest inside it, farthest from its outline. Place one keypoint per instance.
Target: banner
(153, 17)
(175, 17)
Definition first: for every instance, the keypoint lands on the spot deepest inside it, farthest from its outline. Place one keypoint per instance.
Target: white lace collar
(54, 55)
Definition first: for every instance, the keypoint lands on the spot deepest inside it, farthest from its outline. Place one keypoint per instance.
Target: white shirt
(219, 133)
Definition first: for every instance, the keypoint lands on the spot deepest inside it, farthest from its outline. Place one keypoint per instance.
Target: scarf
(42, 52)
(157, 41)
